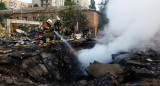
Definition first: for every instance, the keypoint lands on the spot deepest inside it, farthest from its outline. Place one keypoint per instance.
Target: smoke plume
(132, 25)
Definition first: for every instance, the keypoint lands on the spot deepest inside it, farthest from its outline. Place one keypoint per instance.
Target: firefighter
(1, 28)
(47, 29)
(58, 27)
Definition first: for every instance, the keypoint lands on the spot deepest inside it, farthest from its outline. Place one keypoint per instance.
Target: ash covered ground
(26, 64)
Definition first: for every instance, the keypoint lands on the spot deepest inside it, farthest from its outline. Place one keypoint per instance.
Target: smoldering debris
(27, 63)
(133, 24)
(30, 64)
(136, 69)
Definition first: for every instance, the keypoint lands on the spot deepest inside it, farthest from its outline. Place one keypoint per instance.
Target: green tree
(102, 8)
(4, 16)
(69, 2)
(35, 5)
(2, 6)
(92, 6)
(71, 16)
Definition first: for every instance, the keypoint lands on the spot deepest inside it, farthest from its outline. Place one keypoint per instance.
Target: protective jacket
(58, 27)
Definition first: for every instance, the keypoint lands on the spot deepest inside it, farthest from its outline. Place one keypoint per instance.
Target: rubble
(100, 71)
(135, 68)
(32, 64)
(5, 51)
(35, 65)
(129, 62)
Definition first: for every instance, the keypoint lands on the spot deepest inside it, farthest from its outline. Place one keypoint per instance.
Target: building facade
(82, 3)
(58, 2)
(14, 4)
(36, 2)
(48, 3)
(93, 18)
(34, 14)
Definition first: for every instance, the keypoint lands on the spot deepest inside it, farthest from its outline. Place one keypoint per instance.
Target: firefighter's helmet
(49, 21)
(58, 19)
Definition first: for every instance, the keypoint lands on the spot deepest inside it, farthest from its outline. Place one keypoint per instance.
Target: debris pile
(33, 64)
(137, 68)
(24, 63)
(107, 73)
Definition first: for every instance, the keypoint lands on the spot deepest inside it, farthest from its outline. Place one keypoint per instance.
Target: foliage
(92, 6)
(35, 5)
(2, 6)
(4, 16)
(102, 9)
(72, 15)
(69, 2)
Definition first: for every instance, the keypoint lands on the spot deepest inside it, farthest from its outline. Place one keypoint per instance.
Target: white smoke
(132, 24)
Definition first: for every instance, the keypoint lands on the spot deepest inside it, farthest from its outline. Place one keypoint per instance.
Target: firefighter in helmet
(47, 29)
(58, 27)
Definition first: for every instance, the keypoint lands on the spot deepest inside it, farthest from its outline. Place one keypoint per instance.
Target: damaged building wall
(10, 21)
(93, 17)
(33, 13)
(33, 16)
